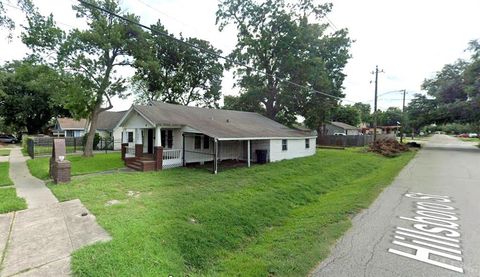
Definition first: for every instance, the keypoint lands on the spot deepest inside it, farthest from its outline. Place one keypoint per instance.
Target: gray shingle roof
(222, 124)
(344, 126)
(108, 120)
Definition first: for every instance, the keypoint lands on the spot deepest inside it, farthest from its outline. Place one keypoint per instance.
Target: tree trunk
(88, 149)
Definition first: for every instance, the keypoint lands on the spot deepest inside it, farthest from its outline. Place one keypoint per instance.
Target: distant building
(69, 127)
(106, 127)
(336, 127)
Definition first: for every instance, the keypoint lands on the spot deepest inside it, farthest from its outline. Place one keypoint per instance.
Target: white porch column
(138, 136)
(248, 153)
(125, 136)
(158, 136)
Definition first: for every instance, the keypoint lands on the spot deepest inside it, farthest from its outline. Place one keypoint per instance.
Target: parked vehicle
(339, 134)
(463, 136)
(8, 139)
(473, 135)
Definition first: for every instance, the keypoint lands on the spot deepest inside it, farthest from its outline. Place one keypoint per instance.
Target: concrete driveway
(426, 223)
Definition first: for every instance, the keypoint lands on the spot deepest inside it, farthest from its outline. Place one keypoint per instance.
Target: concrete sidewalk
(32, 189)
(39, 241)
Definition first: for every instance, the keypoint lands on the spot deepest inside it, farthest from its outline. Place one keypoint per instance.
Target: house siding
(295, 149)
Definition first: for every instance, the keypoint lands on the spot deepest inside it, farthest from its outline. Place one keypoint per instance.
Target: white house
(168, 135)
(106, 127)
(69, 127)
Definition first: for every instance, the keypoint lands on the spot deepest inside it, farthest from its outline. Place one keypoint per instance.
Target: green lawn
(80, 165)
(9, 201)
(276, 219)
(470, 139)
(4, 178)
(4, 152)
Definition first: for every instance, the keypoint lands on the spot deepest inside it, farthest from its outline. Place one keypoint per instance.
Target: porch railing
(172, 158)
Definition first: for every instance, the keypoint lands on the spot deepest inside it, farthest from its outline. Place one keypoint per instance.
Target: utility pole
(375, 105)
(403, 116)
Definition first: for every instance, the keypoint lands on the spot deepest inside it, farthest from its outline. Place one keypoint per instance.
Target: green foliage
(176, 73)
(9, 201)
(277, 219)
(365, 112)
(91, 55)
(453, 128)
(27, 93)
(390, 117)
(4, 177)
(247, 102)
(96, 140)
(280, 43)
(456, 93)
(347, 114)
(80, 165)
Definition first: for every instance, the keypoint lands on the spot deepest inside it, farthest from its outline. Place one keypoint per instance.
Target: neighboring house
(382, 130)
(69, 127)
(106, 127)
(168, 135)
(336, 127)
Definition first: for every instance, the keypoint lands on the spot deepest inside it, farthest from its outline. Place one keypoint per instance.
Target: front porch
(180, 147)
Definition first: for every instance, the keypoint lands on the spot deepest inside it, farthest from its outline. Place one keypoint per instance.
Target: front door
(150, 141)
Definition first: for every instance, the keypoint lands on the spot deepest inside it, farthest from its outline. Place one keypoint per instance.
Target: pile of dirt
(388, 147)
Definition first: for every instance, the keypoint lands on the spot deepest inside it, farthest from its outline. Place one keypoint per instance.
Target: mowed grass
(4, 177)
(277, 219)
(9, 201)
(80, 165)
(4, 152)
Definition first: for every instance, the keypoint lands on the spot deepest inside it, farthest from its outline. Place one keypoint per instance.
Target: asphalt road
(426, 223)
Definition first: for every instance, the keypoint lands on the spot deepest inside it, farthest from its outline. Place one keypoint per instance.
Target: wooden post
(248, 153)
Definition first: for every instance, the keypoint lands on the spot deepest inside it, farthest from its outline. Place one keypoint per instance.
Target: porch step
(141, 165)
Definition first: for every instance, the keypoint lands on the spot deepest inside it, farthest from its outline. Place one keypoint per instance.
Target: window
(206, 142)
(130, 136)
(284, 145)
(307, 143)
(198, 142)
(167, 138)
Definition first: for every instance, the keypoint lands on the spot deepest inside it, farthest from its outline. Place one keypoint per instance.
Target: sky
(409, 40)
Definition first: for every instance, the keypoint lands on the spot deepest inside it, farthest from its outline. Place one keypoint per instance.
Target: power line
(20, 9)
(206, 50)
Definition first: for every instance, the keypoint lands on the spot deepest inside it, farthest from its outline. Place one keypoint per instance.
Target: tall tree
(420, 112)
(448, 86)
(177, 73)
(280, 43)
(347, 114)
(27, 96)
(91, 55)
(390, 117)
(365, 112)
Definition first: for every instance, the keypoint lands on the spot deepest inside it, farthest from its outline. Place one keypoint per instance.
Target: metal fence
(350, 141)
(42, 146)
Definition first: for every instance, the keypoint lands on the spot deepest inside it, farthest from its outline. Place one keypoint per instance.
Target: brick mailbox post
(59, 167)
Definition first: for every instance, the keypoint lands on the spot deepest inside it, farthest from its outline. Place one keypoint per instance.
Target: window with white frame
(307, 143)
(284, 145)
